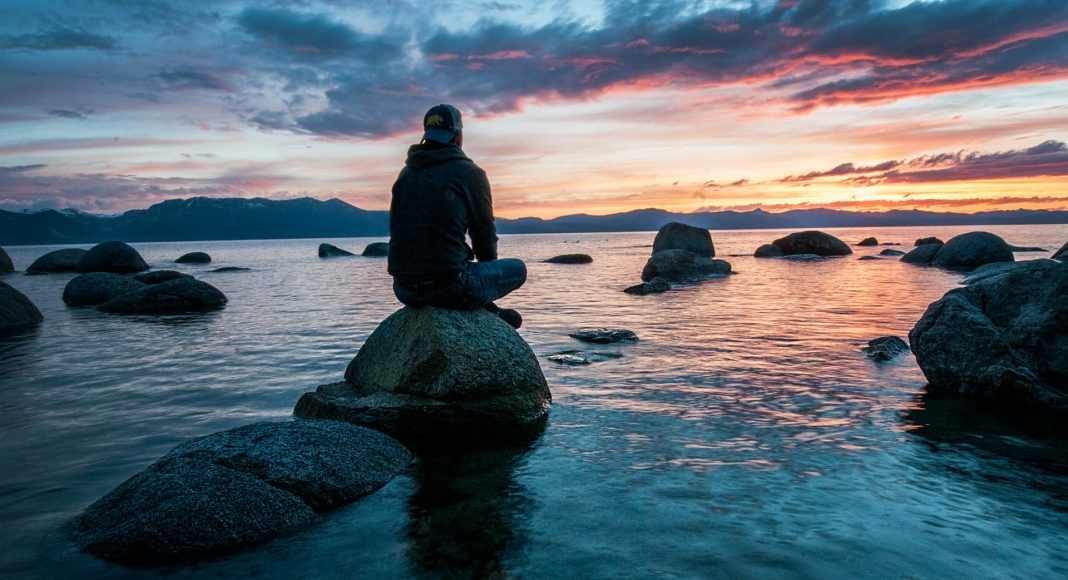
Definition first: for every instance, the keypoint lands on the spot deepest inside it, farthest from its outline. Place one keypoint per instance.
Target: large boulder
(1003, 337)
(97, 288)
(194, 258)
(768, 251)
(681, 266)
(114, 257)
(376, 250)
(234, 489)
(65, 260)
(159, 276)
(812, 242)
(678, 236)
(332, 251)
(16, 310)
(921, 254)
(972, 250)
(1061, 254)
(570, 259)
(181, 295)
(6, 265)
(433, 376)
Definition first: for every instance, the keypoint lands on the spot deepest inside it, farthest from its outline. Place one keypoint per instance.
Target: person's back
(439, 197)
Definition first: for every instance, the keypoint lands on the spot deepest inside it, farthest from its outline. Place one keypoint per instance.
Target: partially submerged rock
(681, 266)
(96, 288)
(235, 489)
(568, 359)
(812, 242)
(886, 348)
(6, 265)
(331, 251)
(679, 236)
(431, 376)
(889, 252)
(570, 259)
(16, 310)
(921, 254)
(604, 335)
(376, 250)
(231, 269)
(654, 286)
(868, 242)
(928, 240)
(194, 258)
(768, 251)
(869, 258)
(971, 250)
(181, 295)
(159, 276)
(1023, 249)
(1001, 338)
(1061, 254)
(114, 257)
(65, 260)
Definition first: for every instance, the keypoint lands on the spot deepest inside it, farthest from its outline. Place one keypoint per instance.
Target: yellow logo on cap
(434, 121)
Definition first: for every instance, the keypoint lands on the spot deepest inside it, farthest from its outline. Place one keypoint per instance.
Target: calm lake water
(744, 436)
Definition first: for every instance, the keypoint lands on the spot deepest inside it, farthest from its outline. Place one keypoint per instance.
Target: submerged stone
(654, 286)
(682, 267)
(159, 276)
(568, 359)
(570, 259)
(768, 251)
(332, 251)
(97, 288)
(16, 310)
(376, 250)
(59, 261)
(886, 348)
(604, 335)
(812, 242)
(194, 258)
(175, 296)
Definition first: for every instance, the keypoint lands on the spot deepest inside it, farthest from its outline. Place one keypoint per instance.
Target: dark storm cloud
(314, 36)
(1047, 159)
(822, 52)
(59, 38)
(188, 79)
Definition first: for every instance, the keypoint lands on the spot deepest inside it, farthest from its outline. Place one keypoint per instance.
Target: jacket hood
(423, 155)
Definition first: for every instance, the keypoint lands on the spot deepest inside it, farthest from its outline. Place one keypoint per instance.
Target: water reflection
(468, 512)
(1031, 437)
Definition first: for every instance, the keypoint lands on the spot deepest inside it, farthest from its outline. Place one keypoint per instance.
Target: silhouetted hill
(202, 218)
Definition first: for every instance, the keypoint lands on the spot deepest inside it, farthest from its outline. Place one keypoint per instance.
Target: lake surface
(745, 435)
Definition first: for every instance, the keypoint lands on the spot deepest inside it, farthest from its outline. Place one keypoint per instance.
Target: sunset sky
(595, 107)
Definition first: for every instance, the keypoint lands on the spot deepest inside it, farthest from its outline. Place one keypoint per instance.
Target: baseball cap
(441, 122)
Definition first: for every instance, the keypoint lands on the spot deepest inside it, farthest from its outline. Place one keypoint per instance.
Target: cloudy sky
(596, 107)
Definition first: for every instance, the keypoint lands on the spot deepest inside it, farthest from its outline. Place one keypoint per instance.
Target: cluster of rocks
(682, 254)
(965, 251)
(426, 379)
(373, 250)
(806, 244)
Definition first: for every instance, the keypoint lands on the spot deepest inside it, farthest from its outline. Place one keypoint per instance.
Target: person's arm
(480, 223)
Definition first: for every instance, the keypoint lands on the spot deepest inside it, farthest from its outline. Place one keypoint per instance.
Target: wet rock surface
(6, 265)
(235, 489)
(1003, 337)
(812, 242)
(570, 259)
(768, 251)
(1061, 254)
(683, 267)
(194, 258)
(16, 310)
(889, 252)
(114, 257)
(159, 276)
(886, 348)
(57, 262)
(175, 296)
(654, 286)
(97, 288)
(332, 251)
(971, 250)
(376, 250)
(604, 335)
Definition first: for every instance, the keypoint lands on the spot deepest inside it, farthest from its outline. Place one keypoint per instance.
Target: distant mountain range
(202, 218)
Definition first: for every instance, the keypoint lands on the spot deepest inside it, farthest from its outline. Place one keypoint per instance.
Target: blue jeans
(476, 286)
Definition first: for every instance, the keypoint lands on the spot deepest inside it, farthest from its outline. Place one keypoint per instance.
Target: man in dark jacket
(439, 198)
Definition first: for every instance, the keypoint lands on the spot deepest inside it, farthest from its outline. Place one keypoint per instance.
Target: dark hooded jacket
(439, 197)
